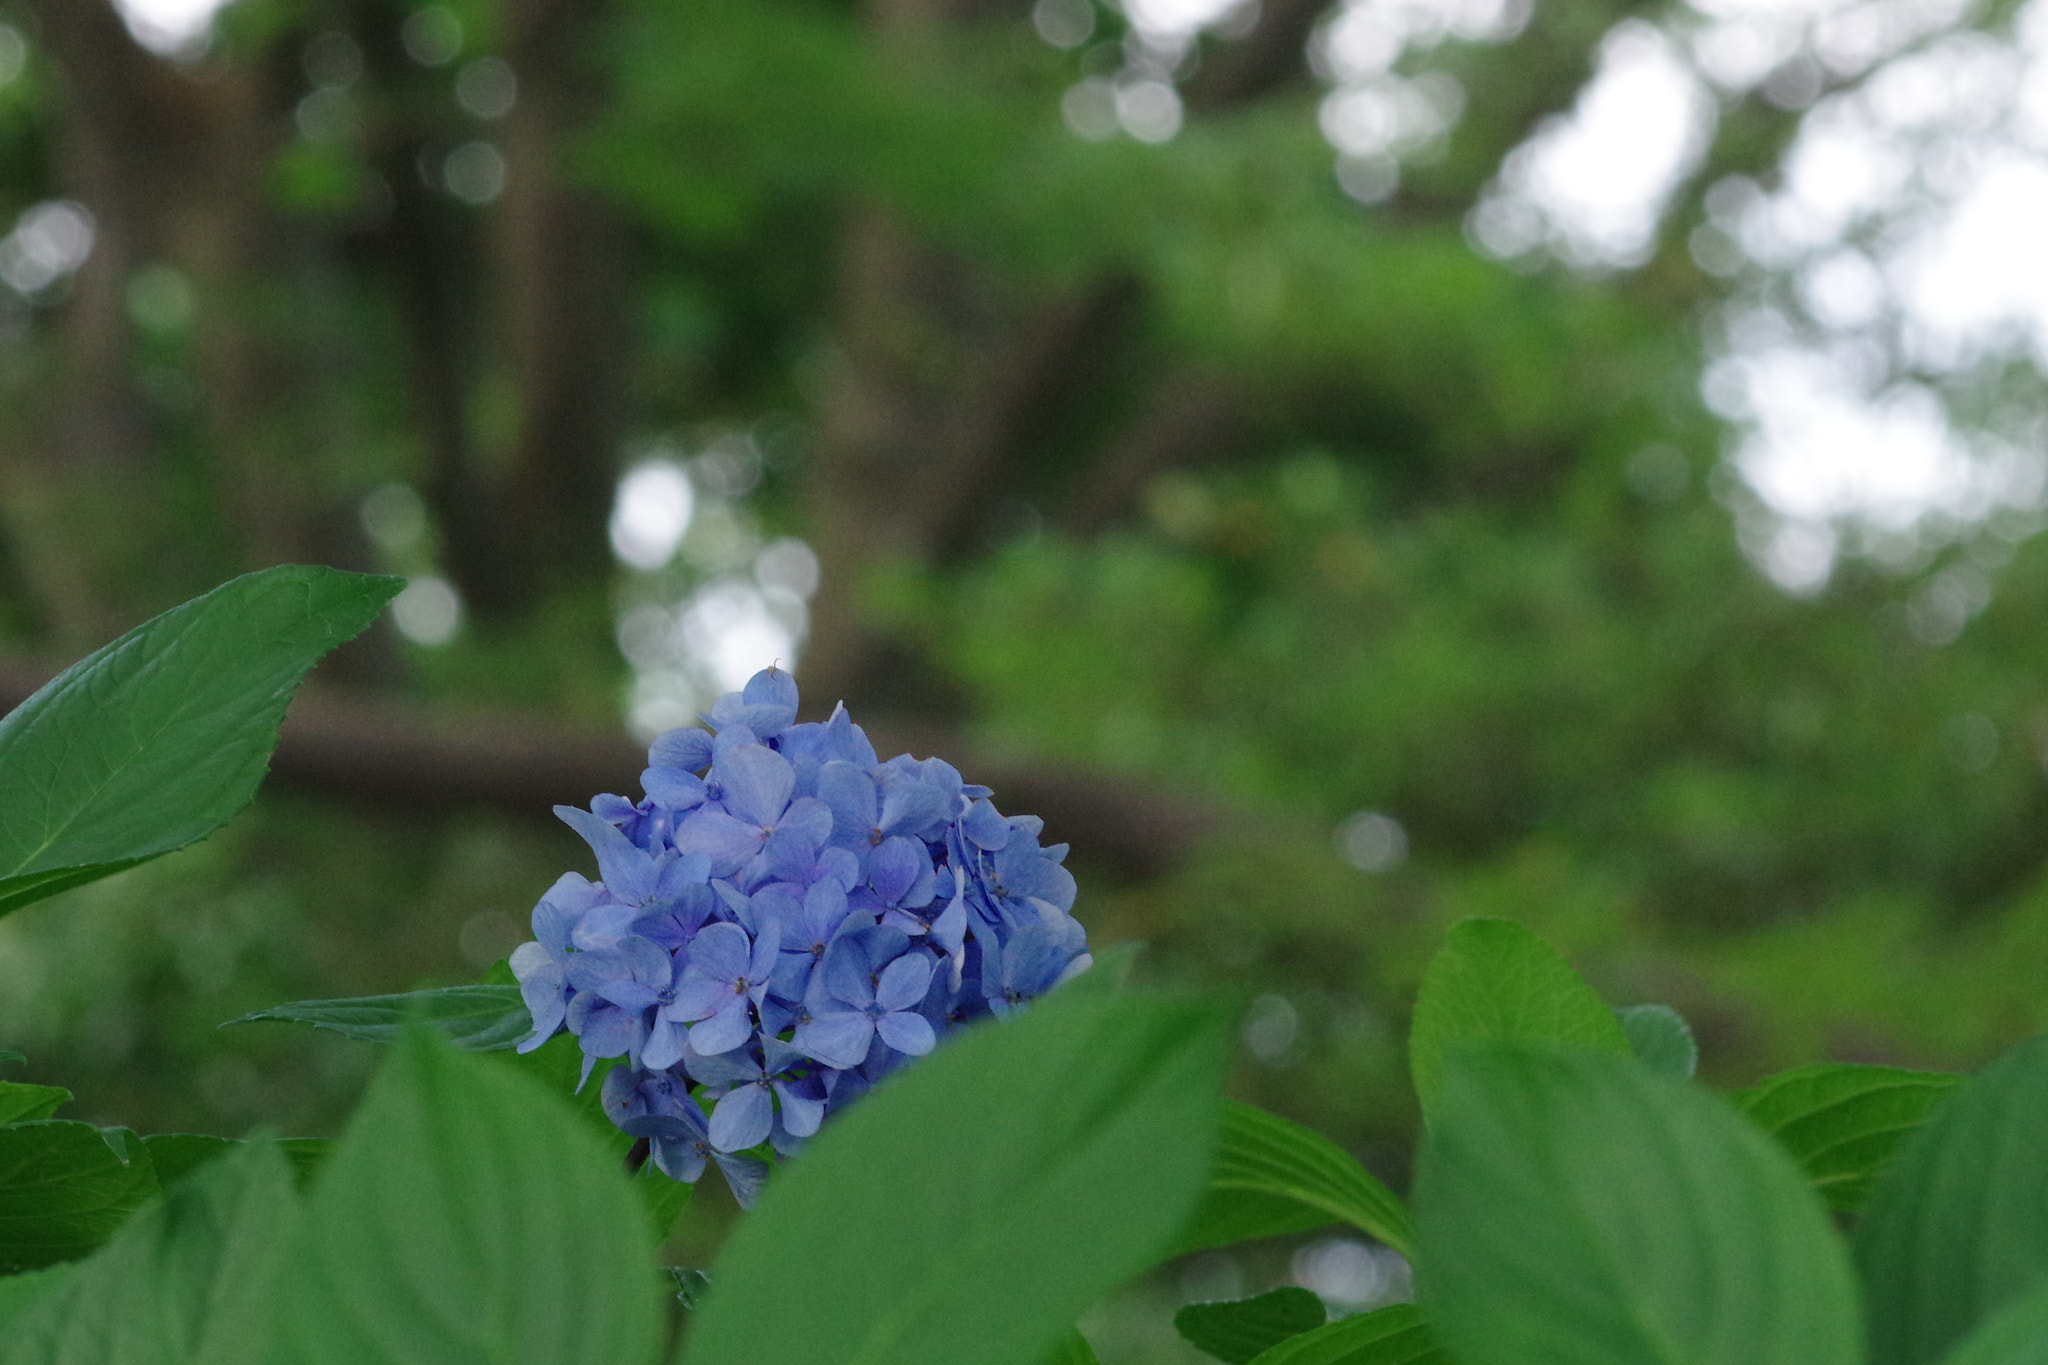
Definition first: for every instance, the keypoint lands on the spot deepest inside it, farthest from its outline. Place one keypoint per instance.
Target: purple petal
(847, 741)
(742, 1119)
(846, 973)
(725, 1071)
(850, 795)
(697, 998)
(910, 1034)
(627, 871)
(565, 903)
(894, 867)
(680, 1158)
(909, 807)
(757, 783)
(982, 826)
(838, 1040)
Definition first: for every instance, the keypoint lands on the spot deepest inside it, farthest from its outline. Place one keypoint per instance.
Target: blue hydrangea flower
(780, 922)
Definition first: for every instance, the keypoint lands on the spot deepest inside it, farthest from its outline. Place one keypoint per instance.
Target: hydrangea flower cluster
(780, 923)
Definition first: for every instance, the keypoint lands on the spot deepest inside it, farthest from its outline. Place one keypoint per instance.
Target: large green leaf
(1843, 1122)
(1238, 1329)
(1395, 1335)
(19, 1293)
(466, 1217)
(1073, 1349)
(158, 739)
(1577, 1209)
(971, 1208)
(474, 1018)
(1274, 1176)
(190, 1281)
(64, 1189)
(2016, 1334)
(1494, 981)
(1959, 1224)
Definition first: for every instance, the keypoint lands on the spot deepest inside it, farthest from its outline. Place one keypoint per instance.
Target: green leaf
(690, 1285)
(19, 1292)
(176, 1155)
(20, 1102)
(190, 1281)
(1844, 1122)
(157, 740)
(1660, 1039)
(1395, 1335)
(1073, 1349)
(973, 1206)
(1273, 1176)
(1494, 981)
(467, 1216)
(474, 1018)
(1577, 1209)
(2016, 1334)
(63, 1191)
(1959, 1225)
(1238, 1329)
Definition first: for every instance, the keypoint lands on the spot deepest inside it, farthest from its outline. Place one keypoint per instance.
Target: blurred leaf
(63, 1191)
(2017, 1334)
(1395, 1335)
(1958, 1226)
(1273, 1176)
(474, 1018)
(1575, 1207)
(467, 1216)
(20, 1102)
(1073, 1349)
(1494, 981)
(18, 1293)
(1843, 1122)
(157, 739)
(1238, 1329)
(980, 1200)
(1660, 1039)
(175, 1155)
(191, 1281)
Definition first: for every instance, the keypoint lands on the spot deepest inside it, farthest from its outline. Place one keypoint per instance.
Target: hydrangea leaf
(1958, 1226)
(1843, 1122)
(466, 1215)
(1055, 1153)
(1073, 1349)
(1395, 1335)
(20, 1102)
(190, 1281)
(64, 1189)
(1273, 1176)
(2016, 1334)
(156, 740)
(1577, 1208)
(1236, 1330)
(18, 1293)
(177, 1155)
(1660, 1039)
(1495, 981)
(474, 1018)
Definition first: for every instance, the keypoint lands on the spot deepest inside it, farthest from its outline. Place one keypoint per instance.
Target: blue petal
(910, 1034)
(904, 982)
(665, 1044)
(850, 795)
(725, 843)
(688, 748)
(981, 824)
(801, 1114)
(772, 686)
(720, 952)
(627, 871)
(742, 1119)
(757, 783)
(846, 973)
(745, 1174)
(564, 904)
(725, 1070)
(723, 1031)
(910, 807)
(838, 1040)
(674, 788)
(894, 867)
(680, 1159)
